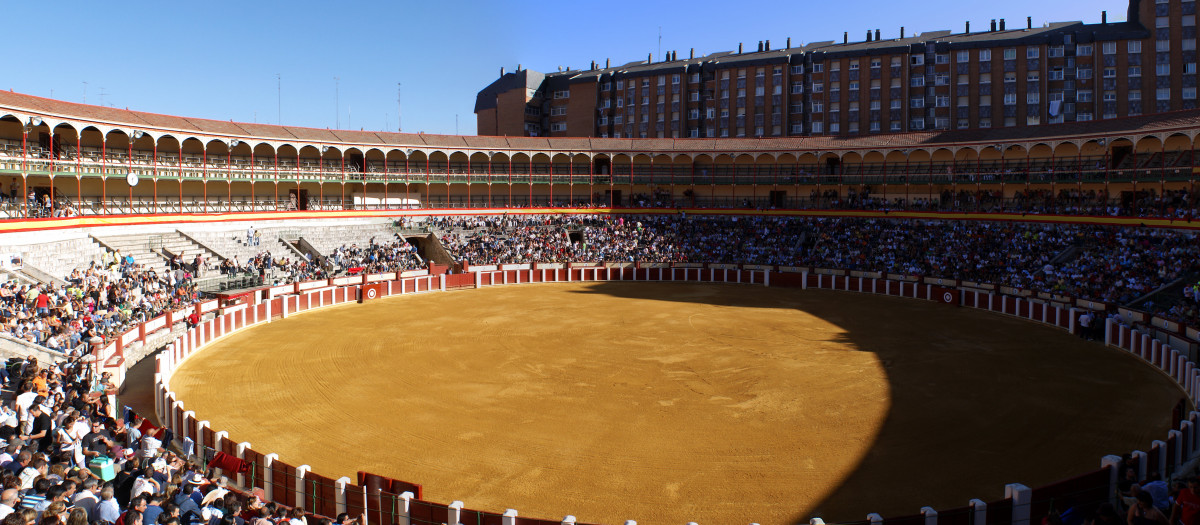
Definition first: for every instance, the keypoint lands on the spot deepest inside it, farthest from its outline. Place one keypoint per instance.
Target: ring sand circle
(669, 402)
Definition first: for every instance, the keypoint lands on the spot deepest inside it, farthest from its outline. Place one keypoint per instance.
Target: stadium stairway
(155, 251)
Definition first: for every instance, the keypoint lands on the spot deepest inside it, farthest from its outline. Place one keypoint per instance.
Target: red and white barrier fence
(286, 483)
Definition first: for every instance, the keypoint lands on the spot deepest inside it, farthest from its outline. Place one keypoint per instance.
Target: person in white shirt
(8, 501)
(87, 499)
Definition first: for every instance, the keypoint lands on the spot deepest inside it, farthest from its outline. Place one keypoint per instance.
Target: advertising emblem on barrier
(368, 292)
(948, 296)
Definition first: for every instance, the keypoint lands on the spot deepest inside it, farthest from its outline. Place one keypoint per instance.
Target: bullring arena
(603, 330)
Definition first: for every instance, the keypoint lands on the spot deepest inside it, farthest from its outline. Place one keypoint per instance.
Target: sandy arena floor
(667, 403)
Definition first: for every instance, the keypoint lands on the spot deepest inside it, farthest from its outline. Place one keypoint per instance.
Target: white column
(930, 515)
(1142, 463)
(284, 302)
(509, 517)
(978, 507)
(568, 520)
(269, 475)
(813, 521)
(339, 494)
(1162, 455)
(301, 494)
(804, 280)
(200, 443)
(454, 513)
(402, 517)
(875, 519)
(218, 441)
(241, 454)
(1020, 496)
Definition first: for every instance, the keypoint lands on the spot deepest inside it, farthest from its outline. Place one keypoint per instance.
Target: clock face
(132, 179)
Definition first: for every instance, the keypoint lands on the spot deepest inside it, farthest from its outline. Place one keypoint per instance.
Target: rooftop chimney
(692, 53)
(760, 45)
(968, 26)
(501, 71)
(1104, 17)
(767, 46)
(901, 31)
(1002, 24)
(789, 42)
(876, 34)
(993, 24)
(868, 35)
(1029, 22)
(593, 65)
(649, 58)
(845, 37)
(518, 67)
(739, 48)
(606, 66)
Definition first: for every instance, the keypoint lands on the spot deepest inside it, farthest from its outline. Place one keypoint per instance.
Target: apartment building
(1005, 75)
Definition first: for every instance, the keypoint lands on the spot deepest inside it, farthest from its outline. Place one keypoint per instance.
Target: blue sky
(219, 59)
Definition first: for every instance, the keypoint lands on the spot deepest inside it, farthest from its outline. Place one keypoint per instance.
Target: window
(818, 67)
(895, 125)
(1033, 97)
(818, 87)
(963, 56)
(558, 126)
(1010, 99)
(985, 55)
(777, 89)
(1083, 95)
(1083, 73)
(1135, 71)
(1162, 46)
(606, 86)
(1135, 95)
(1188, 44)
(941, 123)
(759, 91)
(917, 81)
(603, 121)
(1109, 48)
(1110, 96)
(1162, 69)
(619, 119)
(941, 80)
(1083, 117)
(942, 101)
(797, 128)
(985, 78)
(874, 126)
(797, 88)
(895, 104)
(1188, 20)
(1164, 94)
(694, 96)
(854, 86)
(964, 80)
(917, 124)
(710, 113)
(1033, 76)
(1083, 50)
(1033, 52)
(875, 105)
(835, 127)
(1110, 72)
(1033, 120)
(1056, 52)
(916, 103)
(620, 102)
(985, 123)
(964, 102)
(1134, 47)
(818, 127)
(876, 63)
(1056, 74)
(916, 60)
(818, 106)
(853, 65)
(1189, 68)
(558, 111)
(1189, 93)
(695, 77)
(942, 58)
(1010, 54)
(562, 94)
(1162, 21)
(662, 80)
(693, 114)
(798, 70)
(836, 65)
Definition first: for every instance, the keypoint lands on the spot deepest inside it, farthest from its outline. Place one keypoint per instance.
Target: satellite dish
(132, 179)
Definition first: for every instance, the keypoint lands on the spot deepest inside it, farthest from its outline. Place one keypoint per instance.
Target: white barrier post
(403, 517)
(1177, 460)
(979, 509)
(339, 495)
(301, 494)
(454, 513)
(509, 517)
(269, 476)
(804, 280)
(284, 302)
(200, 443)
(241, 454)
(1020, 496)
(1142, 463)
(813, 521)
(930, 515)
(218, 441)
(875, 519)
(1113, 464)
(1162, 456)
(568, 520)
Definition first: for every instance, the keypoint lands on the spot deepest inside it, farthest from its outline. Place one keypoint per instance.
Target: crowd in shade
(1102, 263)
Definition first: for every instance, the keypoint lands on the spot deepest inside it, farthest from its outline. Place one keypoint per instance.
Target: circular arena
(949, 304)
(671, 402)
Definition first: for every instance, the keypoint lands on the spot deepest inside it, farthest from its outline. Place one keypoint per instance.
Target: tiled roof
(1181, 121)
